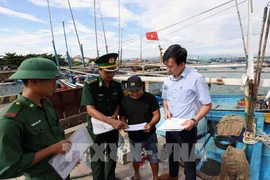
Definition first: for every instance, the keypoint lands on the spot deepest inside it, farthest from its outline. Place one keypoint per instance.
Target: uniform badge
(111, 60)
(132, 84)
(35, 123)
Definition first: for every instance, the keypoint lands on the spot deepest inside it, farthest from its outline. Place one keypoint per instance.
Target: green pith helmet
(37, 68)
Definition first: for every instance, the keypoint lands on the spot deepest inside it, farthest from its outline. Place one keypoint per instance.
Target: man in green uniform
(102, 95)
(30, 130)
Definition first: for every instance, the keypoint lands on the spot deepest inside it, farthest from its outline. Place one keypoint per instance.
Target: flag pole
(160, 53)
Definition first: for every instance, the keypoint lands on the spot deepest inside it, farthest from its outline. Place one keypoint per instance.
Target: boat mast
(241, 27)
(141, 43)
(259, 58)
(250, 96)
(80, 45)
(119, 51)
(121, 47)
(160, 53)
(95, 23)
(68, 56)
(106, 45)
(55, 53)
(250, 69)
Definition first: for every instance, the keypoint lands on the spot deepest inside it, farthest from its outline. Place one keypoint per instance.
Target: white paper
(136, 127)
(64, 163)
(100, 127)
(173, 124)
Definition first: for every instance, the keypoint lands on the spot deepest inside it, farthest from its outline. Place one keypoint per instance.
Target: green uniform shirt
(105, 100)
(25, 129)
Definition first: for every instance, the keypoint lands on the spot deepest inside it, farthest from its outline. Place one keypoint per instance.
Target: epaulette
(90, 81)
(13, 110)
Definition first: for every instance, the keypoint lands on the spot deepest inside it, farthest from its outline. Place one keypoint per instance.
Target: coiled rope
(219, 141)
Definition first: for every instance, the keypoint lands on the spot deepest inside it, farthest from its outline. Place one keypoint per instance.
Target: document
(100, 127)
(136, 127)
(64, 163)
(173, 124)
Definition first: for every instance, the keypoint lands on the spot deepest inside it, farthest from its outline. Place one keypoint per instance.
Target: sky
(206, 28)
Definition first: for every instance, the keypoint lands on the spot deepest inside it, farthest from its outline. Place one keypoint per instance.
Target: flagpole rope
(199, 20)
(196, 15)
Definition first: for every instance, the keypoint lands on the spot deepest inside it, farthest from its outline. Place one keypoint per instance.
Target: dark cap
(134, 83)
(107, 62)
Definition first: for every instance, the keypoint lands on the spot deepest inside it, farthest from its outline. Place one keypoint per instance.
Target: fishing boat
(209, 154)
(7, 83)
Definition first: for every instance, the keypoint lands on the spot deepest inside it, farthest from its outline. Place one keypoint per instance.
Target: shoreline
(7, 99)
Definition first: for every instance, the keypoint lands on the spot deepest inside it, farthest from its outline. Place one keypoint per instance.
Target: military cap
(107, 62)
(37, 68)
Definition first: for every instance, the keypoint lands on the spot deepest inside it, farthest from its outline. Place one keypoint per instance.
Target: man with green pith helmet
(30, 130)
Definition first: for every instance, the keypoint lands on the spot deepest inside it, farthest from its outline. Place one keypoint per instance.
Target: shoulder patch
(13, 110)
(90, 81)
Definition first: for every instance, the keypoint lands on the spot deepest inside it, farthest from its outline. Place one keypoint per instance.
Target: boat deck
(258, 155)
(125, 171)
(209, 154)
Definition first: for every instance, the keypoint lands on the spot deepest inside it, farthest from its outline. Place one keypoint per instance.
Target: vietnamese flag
(152, 35)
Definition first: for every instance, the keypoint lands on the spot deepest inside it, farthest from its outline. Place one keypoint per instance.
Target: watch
(195, 121)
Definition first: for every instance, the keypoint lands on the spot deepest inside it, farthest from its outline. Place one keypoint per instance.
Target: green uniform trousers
(103, 158)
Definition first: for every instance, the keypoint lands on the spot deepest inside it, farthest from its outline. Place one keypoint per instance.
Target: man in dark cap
(141, 107)
(102, 95)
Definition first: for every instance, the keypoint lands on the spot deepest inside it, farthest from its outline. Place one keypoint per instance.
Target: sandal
(132, 178)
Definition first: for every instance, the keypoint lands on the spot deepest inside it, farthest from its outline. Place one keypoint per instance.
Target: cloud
(12, 13)
(63, 3)
(2, 1)
(215, 32)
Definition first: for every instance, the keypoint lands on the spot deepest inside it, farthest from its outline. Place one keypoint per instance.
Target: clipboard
(63, 164)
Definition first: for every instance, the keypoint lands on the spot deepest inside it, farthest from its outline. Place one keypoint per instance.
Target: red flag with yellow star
(152, 35)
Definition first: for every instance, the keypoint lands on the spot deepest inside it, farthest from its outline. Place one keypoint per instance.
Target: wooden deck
(125, 171)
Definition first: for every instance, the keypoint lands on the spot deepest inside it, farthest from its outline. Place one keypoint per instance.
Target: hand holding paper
(136, 127)
(147, 128)
(173, 124)
(64, 163)
(100, 127)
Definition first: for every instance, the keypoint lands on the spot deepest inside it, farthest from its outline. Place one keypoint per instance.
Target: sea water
(6, 90)
(214, 89)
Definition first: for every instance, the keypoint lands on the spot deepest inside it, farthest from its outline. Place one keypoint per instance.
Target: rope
(196, 15)
(199, 20)
(264, 138)
(251, 98)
